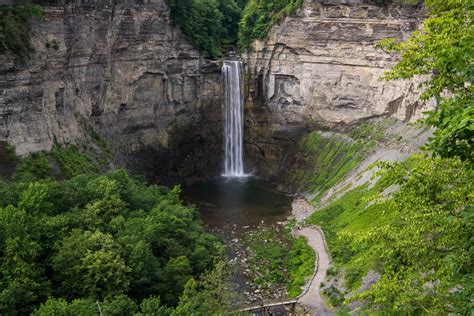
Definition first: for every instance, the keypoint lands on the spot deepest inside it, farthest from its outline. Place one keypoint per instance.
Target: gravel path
(311, 297)
(315, 237)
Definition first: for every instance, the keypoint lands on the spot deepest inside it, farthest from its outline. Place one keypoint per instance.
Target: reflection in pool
(241, 202)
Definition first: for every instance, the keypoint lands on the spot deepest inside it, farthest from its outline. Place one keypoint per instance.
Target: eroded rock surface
(320, 70)
(122, 69)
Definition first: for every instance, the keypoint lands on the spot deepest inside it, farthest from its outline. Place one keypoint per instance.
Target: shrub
(259, 16)
(15, 29)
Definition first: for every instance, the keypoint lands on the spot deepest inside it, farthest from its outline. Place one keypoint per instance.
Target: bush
(259, 16)
(15, 29)
(208, 24)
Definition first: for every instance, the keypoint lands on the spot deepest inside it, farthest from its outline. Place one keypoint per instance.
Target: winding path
(311, 296)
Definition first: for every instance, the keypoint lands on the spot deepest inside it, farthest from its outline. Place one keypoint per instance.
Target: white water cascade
(233, 110)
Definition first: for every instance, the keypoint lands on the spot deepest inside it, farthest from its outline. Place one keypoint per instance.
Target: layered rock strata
(319, 69)
(121, 69)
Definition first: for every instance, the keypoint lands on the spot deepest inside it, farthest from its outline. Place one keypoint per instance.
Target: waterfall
(233, 110)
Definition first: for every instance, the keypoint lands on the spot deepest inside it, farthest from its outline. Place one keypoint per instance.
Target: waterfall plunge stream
(233, 110)
(235, 203)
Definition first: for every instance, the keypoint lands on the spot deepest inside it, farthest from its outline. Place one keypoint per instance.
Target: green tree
(22, 283)
(443, 51)
(60, 307)
(201, 23)
(211, 295)
(176, 273)
(424, 248)
(89, 264)
(99, 214)
(230, 20)
(259, 16)
(119, 305)
(15, 29)
(152, 307)
(104, 273)
(34, 167)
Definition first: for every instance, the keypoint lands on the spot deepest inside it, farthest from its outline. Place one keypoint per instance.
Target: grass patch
(334, 297)
(277, 258)
(324, 161)
(300, 264)
(352, 212)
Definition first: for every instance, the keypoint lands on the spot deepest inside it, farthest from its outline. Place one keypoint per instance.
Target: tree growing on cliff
(208, 24)
(443, 49)
(259, 16)
(15, 29)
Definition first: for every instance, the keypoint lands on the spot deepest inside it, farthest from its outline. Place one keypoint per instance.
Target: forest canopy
(213, 24)
(110, 238)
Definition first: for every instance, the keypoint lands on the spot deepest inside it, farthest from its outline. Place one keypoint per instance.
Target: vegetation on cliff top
(213, 24)
(259, 16)
(208, 24)
(443, 50)
(15, 29)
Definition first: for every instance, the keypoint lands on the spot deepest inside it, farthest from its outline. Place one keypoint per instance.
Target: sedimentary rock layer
(122, 69)
(319, 69)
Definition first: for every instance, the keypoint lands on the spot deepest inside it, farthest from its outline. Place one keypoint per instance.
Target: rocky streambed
(238, 210)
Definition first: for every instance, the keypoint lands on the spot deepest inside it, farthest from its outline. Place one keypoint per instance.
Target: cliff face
(320, 70)
(122, 69)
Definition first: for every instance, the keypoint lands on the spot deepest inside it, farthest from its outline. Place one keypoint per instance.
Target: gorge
(291, 133)
(133, 78)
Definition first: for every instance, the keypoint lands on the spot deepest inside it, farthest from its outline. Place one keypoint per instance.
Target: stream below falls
(230, 207)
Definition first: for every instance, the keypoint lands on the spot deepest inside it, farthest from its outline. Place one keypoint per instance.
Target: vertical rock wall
(320, 70)
(122, 69)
